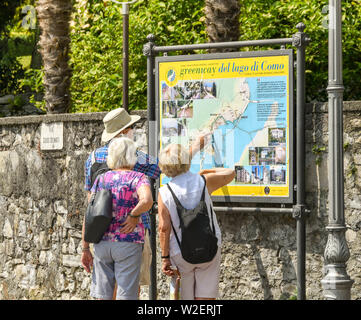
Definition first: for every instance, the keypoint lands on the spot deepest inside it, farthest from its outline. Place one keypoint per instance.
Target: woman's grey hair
(174, 160)
(121, 154)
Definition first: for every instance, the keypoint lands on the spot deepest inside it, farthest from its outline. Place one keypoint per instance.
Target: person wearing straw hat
(119, 123)
(118, 255)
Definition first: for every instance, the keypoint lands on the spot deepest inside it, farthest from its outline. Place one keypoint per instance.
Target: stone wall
(42, 203)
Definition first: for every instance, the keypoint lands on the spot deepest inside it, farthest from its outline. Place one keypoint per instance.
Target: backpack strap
(93, 156)
(211, 210)
(204, 187)
(179, 206)
(210, 205)
(176, 200)
(175, 233)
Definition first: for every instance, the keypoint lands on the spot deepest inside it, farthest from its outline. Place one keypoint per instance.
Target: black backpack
(96, 169)
(199, 242)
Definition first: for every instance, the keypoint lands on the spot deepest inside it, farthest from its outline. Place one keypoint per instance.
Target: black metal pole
(152, 140)
(253, 210)
(125, 11)
(300, 41)
(222, 45)
(336, 283)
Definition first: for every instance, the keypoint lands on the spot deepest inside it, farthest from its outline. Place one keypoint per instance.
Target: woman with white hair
(198, 281)
(117, 257)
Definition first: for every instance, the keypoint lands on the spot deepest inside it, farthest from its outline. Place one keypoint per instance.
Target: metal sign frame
(289, 110)
(299, 41)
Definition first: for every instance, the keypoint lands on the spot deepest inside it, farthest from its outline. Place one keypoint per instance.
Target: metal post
(300, 40)
(125, 12)
(336, 283)
(152, 150)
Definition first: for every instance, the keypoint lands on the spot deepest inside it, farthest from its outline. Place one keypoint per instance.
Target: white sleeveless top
(188, 188)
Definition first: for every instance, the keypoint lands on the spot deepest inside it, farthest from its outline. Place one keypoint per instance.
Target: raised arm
(164, 230)
(217, 178)
(198, 144)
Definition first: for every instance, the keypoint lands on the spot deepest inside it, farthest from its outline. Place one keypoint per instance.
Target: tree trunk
(54, 18)
(222, 21)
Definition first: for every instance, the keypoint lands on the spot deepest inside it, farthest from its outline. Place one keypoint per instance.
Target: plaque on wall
(51, 136)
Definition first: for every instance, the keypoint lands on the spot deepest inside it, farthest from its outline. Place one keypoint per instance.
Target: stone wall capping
(322, 107)
(61, 117)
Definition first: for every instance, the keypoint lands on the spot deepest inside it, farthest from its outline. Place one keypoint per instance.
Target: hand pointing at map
(199, 143)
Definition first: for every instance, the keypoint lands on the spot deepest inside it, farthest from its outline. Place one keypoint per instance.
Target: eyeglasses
(132, 127)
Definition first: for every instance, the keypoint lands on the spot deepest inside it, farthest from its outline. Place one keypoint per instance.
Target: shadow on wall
(259, 254)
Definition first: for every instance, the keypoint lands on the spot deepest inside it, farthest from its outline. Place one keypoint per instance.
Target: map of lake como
(242, 105)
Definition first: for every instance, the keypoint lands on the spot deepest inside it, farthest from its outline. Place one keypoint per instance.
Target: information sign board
(244, 102)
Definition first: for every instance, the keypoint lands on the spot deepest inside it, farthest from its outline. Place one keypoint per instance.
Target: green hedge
(263, 19)
(96, 56)
(97, 43)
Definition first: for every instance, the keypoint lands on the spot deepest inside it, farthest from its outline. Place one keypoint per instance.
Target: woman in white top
(198, 281)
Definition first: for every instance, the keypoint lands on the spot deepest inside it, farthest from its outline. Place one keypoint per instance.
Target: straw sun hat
(116, 121)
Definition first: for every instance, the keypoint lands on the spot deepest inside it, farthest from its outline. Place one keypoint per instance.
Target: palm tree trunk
(54, 18)
(222, 21)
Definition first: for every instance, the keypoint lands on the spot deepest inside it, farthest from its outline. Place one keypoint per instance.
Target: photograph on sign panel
(177, 109)
(170, 93)
(174, 127)
(169, 109)
(266, 155)
(185, 109)
(278, 174)
(280, 154)
(253, 156)
(276, 136)
(197, 89)
(257, 175)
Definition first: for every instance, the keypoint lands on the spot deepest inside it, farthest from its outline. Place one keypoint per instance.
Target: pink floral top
(124, 185)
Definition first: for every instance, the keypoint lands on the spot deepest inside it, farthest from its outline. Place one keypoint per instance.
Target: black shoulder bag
(98, 214)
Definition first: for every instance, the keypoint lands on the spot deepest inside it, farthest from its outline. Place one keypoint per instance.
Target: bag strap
(175, 233)
(100, 177)
(177, 200)
(210, 204)
(178, 206)
(211, 210)
(93, 157)
(204, 187)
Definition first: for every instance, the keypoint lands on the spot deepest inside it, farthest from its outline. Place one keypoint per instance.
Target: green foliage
(13, 44)
(264, 19)
(96, 56)
(352, 170)
(33, 82)
(96, 47)
(10, 72)
(317, 151)
(7, 11)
